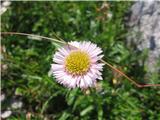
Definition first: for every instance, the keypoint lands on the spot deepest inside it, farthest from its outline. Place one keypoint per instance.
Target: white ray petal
(88, 80)
(58, 55)
(56, 67)
(72, 82)
(59, 61)
(82, 83)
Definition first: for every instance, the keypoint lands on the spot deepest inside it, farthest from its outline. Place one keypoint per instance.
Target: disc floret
(77, 63)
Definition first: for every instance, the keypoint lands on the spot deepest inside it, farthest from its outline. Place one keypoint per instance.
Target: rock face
(144, 31)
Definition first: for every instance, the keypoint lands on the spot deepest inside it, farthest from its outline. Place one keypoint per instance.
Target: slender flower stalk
(128, 78)
(35, 36)
(70, 68)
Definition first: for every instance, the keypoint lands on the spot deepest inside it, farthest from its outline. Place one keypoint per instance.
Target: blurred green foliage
(28, 63)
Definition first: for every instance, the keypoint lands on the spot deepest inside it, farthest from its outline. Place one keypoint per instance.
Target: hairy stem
(128, 78)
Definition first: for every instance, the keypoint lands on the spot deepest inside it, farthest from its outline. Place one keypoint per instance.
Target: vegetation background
(26, 63)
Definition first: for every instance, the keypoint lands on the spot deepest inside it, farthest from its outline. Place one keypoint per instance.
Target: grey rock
(144, 31)
(16, 105)
(5, 114)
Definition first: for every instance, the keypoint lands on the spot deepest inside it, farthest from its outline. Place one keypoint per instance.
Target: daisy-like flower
(77, 65)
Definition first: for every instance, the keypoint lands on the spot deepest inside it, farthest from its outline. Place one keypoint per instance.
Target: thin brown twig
(63, 42)
(128, 78)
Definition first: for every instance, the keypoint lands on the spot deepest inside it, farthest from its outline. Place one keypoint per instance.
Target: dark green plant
(29, 62)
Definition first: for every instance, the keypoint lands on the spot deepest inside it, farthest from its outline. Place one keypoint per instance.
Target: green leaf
(86, 110)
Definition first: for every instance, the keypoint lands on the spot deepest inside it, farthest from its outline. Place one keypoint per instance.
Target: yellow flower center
(77, 63)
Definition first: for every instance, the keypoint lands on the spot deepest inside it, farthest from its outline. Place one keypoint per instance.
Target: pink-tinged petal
(90, 74)
(58, 72)
(92, 48)
(66, 80)
(94, 71)
(74, 43)
(56, 67)
(82, 44)
(72, 82)
(58, 76)
(58, 55)
(61, 81)
(100, 77)
(64, 51)
(94, 60)
(60, 51)
(88, 80)
(86, 46)
(95, 52)
(59, 61)
(82, 83)
(98, 66)
(98, 73)
(102, 64)
(98, 50)
(100, 56)
(78, 80)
